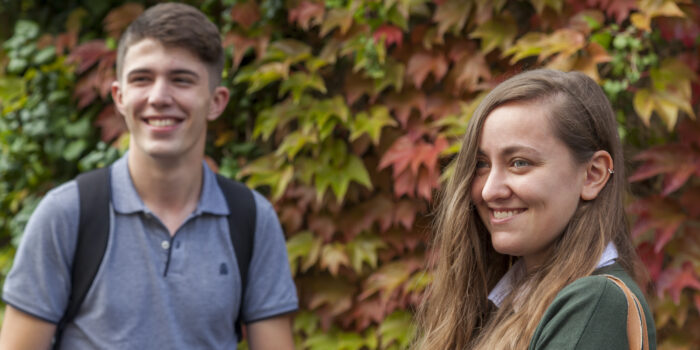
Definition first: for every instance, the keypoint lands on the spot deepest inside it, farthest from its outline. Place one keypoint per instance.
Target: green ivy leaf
(305, 247)
(299, 82)
(398, 328)
(371, 124)
(363, 249)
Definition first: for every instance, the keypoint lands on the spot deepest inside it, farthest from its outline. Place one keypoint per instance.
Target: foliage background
(346, 113)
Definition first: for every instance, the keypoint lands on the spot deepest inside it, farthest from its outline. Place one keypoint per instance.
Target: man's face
(165, 98)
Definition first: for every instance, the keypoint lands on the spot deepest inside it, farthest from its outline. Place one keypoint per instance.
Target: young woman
(530, 221)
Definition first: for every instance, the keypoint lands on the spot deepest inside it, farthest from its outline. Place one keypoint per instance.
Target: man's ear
(219, 100)
(117, 97)
(598, 172)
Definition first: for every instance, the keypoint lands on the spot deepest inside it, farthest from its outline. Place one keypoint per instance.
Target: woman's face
(527, 184)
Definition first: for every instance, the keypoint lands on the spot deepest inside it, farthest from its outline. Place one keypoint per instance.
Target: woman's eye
(480, 164)
(519, 163)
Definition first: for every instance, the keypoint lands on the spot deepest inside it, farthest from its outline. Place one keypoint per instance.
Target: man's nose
(160, 94)
(496, 186)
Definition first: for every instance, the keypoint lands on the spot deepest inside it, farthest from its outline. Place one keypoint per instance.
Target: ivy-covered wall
(347, 113)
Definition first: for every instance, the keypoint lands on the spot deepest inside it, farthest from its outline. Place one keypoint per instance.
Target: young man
(169, 276)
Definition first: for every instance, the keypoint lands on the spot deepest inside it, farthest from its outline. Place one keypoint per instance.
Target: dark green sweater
(591, 313)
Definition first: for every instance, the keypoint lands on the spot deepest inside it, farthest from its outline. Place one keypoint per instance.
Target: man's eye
(519, 163)
(181, 80)
(138, 79)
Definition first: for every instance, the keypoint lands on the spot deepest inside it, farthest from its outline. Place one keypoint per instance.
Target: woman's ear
(598, 172)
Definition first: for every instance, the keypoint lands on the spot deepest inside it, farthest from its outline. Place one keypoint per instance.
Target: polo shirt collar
(505, 285)
(126, 199)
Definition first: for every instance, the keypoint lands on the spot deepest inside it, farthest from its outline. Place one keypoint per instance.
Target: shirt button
(165, 245)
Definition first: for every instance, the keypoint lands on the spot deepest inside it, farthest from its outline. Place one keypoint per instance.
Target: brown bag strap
(636, 321)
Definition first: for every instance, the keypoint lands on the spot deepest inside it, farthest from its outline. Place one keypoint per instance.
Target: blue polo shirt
(152, 290)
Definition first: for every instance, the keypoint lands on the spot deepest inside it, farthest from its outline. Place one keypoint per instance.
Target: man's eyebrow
(181, 71)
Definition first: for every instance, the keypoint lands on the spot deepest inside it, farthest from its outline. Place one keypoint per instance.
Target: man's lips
(162, 122)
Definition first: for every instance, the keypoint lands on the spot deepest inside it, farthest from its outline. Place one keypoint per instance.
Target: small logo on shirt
(223, 269)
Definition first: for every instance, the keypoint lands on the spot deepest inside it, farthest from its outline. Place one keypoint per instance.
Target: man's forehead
(148, 46)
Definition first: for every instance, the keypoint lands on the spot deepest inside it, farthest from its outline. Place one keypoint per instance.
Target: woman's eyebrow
(510, 150)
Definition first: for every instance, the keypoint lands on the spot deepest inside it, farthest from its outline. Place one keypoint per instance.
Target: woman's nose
(496, 186)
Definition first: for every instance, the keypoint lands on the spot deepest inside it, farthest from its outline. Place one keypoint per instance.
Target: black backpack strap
(93, 233)
(241, 223)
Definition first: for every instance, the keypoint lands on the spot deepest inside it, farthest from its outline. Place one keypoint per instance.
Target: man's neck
(170, 188)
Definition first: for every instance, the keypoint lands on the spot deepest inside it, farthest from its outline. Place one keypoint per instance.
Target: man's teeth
(504, 214)
(161, 122)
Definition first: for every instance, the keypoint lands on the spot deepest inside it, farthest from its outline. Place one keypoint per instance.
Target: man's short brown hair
(177, 25)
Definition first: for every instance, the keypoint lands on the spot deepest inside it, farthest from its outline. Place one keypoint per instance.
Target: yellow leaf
(528, 45)
(452, 14)
(336, 18)
(555, 5)
(643, 105)
(333, 256)
(564, 41)
(658, 8)
(498, 32)
(641, 21)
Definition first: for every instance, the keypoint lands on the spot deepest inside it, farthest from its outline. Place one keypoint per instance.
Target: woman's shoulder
(589, 313)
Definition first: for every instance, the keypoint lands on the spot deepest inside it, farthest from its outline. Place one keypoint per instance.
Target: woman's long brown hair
(457, 313)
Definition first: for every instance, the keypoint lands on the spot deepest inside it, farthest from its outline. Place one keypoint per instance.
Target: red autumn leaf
(663, 215)
(690, 200)
(405, 183)
(302, 196)
(676, 161)
(242, 43)
(402, 103)
(66, 41)
(689, 133)
(323, 226)
(687, 246)
(674, 28)
(333, 295)
(86, 88)
(399, 155)
(652, 260)
(88, 54)
(423, 63)
(674, 280)
(245, 13)
(440, 105)
(619, 9)
(427, 154)
(361, 217)
(355, 87)
(119, 18)
(406, 211)
(308, 13)
(402, 241)
(468, 72)
(291, 217)
(427, 181)
(111, 123)
(391, 34)
(367, 311)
